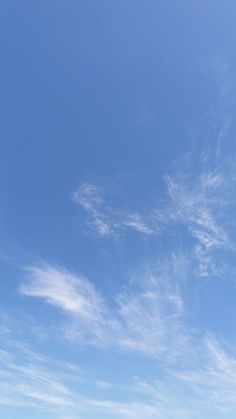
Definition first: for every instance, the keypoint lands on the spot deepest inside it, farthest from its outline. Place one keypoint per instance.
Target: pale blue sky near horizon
(117, 215)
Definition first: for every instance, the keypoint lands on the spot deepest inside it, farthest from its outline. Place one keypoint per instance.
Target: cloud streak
(196, 202)
(106, 220)
(146, 318)
(61, 288)
(203, 386)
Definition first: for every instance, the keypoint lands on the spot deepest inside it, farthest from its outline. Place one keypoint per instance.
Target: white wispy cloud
(202, 385)
(105, 219)
(203, 388)
(63, 289)
(90, 197)
(197, 203)
(52, 387)
(197, 200)
(151, 312)
(27, 379)
(146, 318)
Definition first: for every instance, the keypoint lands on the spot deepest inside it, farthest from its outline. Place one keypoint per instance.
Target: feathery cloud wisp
(144, 319)
(202, 386)
(105, 219)
(60, 288)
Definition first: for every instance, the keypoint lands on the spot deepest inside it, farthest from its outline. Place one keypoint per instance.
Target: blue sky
(117, 215)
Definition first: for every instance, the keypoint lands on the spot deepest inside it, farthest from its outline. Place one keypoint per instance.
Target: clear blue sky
(117, 209)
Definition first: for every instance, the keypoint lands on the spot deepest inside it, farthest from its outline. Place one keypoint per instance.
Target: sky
(117, 209)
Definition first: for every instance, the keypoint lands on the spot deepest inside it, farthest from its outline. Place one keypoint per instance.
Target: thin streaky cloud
(105, 219)
(203, 385)
(193, 200)
(146, 318)
(61, 288)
